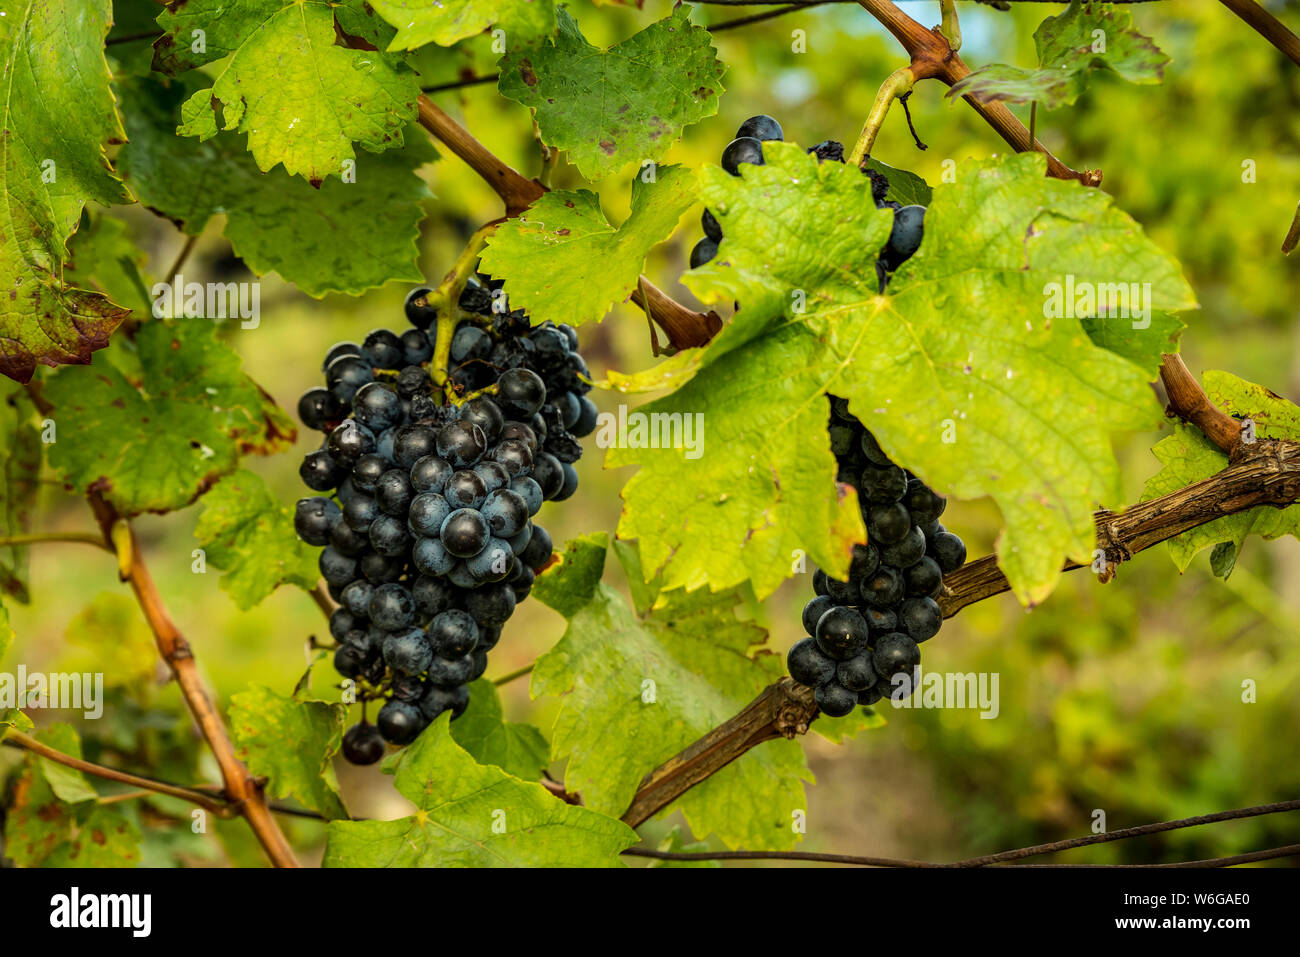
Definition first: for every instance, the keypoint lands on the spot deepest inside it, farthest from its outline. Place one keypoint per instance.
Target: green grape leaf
(904, 186)
(159, 447)
(1072, 44)
(20, 466)
(635, 690)
(110, 637)
(474, 815)
(290, 741)
(545, 254)
(518, 749)
(343, 237)
(102, 255)
(55, 821)
(612, 107)
(445, 22)
(1187, 456)
(247, 533)
(301, 96)
(55, 132)
(955, 369)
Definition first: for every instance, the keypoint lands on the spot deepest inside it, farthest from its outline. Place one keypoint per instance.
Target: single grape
(411, 443)
(703, 251)
(363, 744)
(390, 537)
(465, 489)
(588, 416)
(743, 149)
(419, 311)
(887, 524)
(813, 611)
(320, 473)
(464, 532)
(346, 374)
(506, 512)
(448, 673)
(895, 653)
(524, 433)
(538, 551)
(905, 236)
(314, 517)
(883, 486)
(393, 492)
(469, 342)
(377, 406)
(948, 550)
(920, 618)
(761, 127)
(349, 441)
(493, 563)
(384, 349)
(340, 349)
(391, 607)
(380, 569)
(453, 633)
(712, 228)
(841, 632)
(808, 664)
(416, 348)
(857, 673)
(548, 472)
(484, 413)
(924, 578)
(521, 393)
(527, 489)
(408, 651)
(337, 568)
(834, 699)
(923, 502)
(318, 408)
(461, 443)
(884, 588)
(570, 483)
(400, 722)
(356, 597)
(514, 456)
(872, 450)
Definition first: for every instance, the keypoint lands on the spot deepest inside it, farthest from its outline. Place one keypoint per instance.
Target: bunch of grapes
(909, 221)
(864, 631)
(426, 505)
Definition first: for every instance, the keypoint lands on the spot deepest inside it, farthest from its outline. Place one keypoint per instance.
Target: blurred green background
(1123, 697)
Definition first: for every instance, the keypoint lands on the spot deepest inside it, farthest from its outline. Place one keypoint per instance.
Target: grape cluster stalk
(428, 494)
(864, 632)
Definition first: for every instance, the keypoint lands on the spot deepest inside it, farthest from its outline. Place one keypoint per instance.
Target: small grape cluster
(909, 221)
(864, 631)
(426, 526)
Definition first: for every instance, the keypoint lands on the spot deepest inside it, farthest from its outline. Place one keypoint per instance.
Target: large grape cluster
(426, 508)
(864, 631)
(909, 221)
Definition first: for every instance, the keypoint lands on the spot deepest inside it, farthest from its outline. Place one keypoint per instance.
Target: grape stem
(446, 298)
(949, 26)
(896, 84)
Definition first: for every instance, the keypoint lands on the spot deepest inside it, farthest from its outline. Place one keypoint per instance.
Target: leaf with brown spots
(623, 104)
(159, 447)
(54, 134)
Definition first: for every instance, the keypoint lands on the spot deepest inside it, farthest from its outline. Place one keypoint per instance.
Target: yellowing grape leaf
(956, 369)
(290, 740)
(247, 533)
(1080, 39)
(343, 237)
(160, 445)
(474, 815)
(545, 255)
(57, 115)
(301, 95)
(1188, 456)
(635, 689)
(612, 107)
(445, 22)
